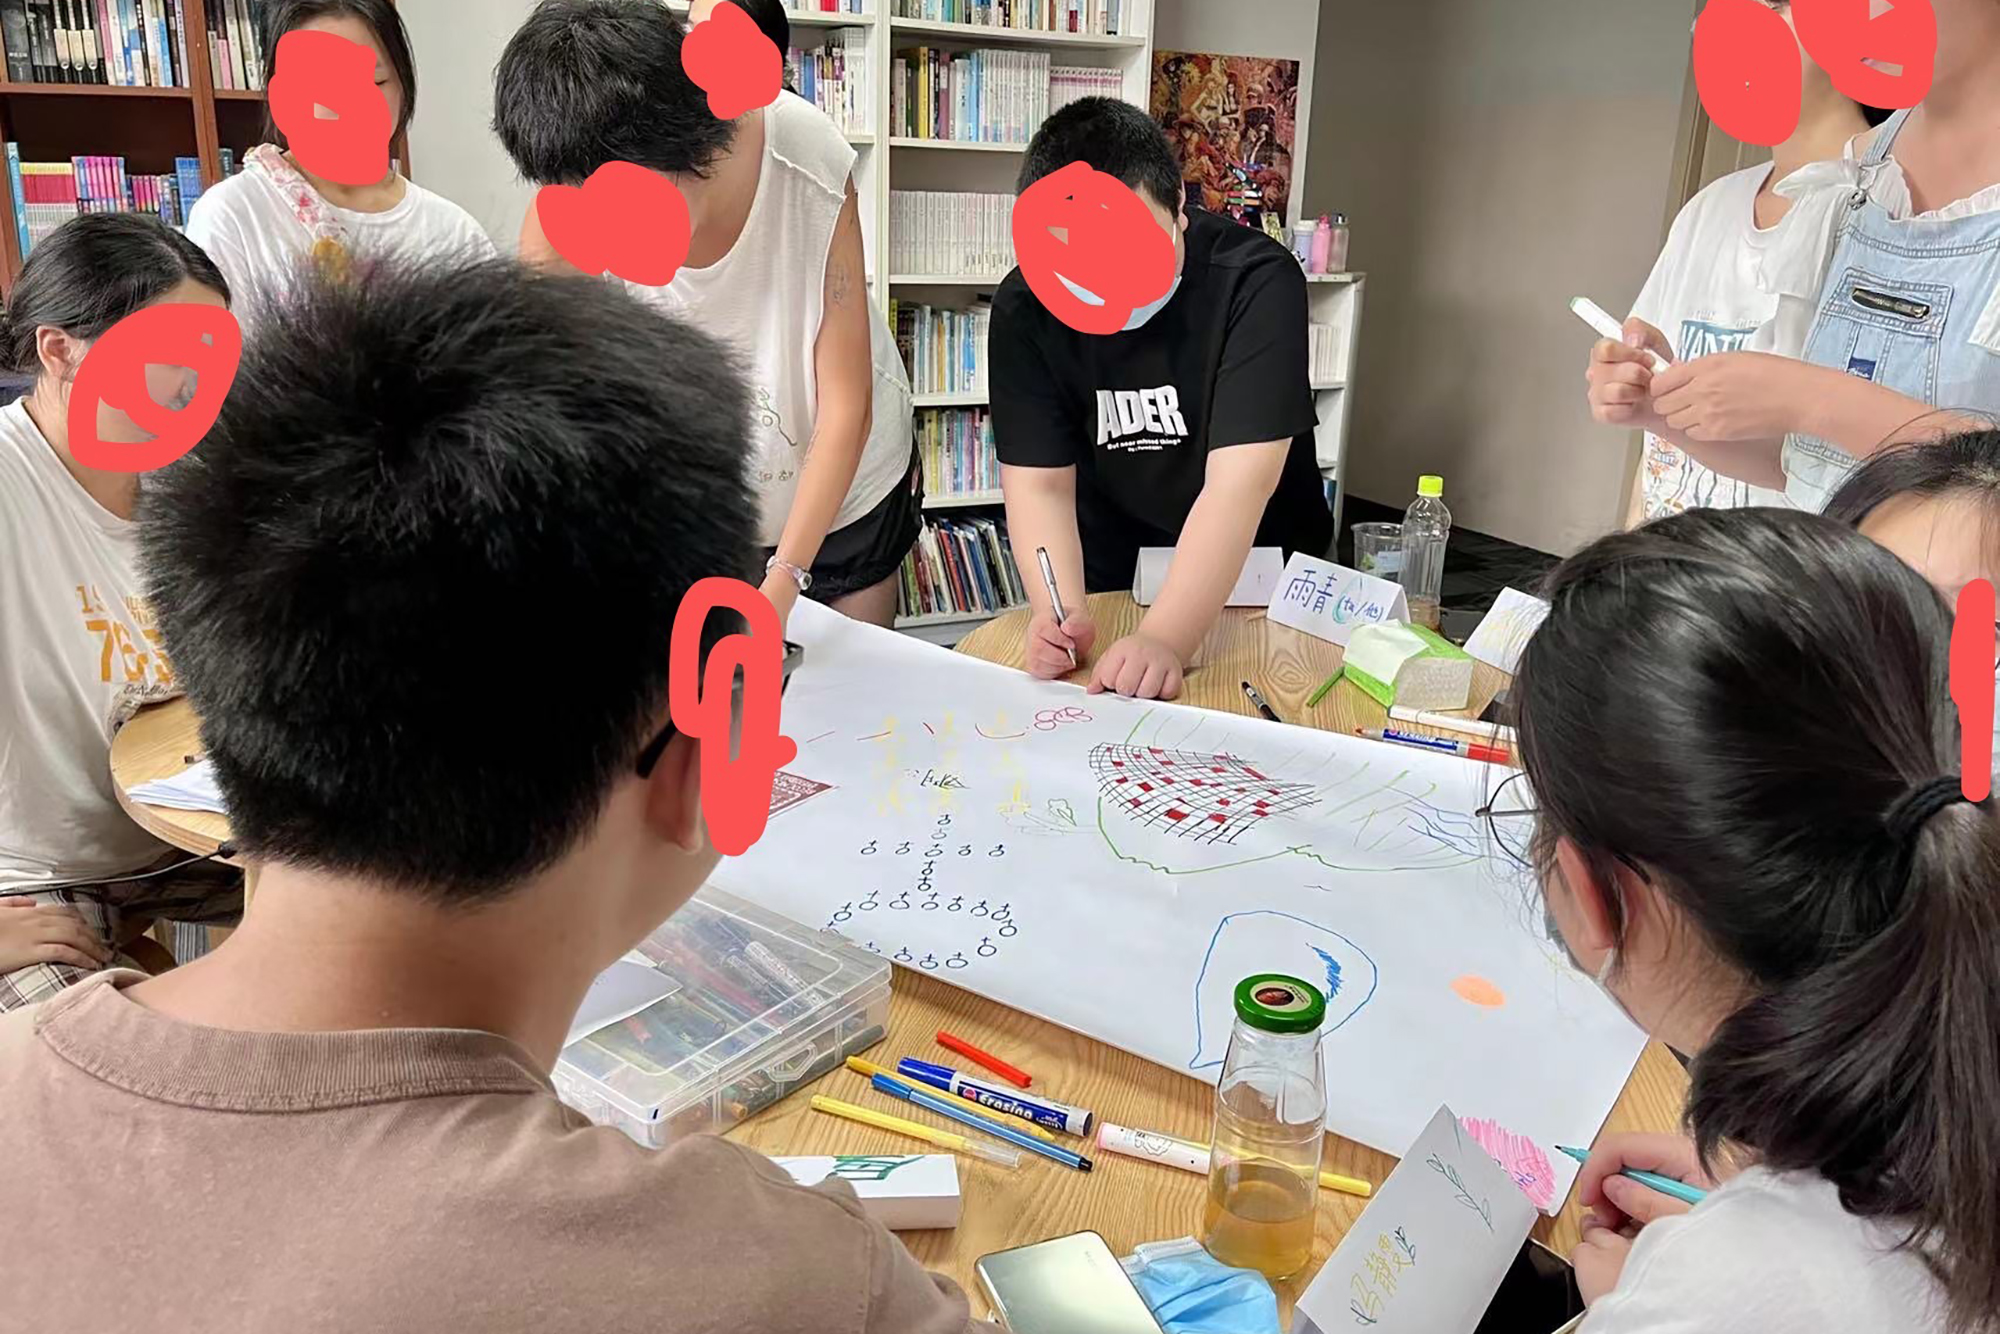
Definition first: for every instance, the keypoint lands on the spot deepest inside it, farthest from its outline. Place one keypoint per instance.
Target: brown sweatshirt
(163, 1176)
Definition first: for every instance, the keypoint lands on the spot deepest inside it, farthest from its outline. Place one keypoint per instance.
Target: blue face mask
(1139, 316)
(1191, 1292)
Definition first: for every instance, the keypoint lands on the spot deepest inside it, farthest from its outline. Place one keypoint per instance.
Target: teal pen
(1679, 1190)
(896, 1088)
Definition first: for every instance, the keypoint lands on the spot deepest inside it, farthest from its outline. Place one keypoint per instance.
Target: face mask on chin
(1139, 316)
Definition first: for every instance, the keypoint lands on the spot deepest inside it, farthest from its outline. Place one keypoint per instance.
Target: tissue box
(902, 1192)
(1408, 665)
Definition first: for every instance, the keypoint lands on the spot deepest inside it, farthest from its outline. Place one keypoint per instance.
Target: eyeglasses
(649, 757)
(1510, 819)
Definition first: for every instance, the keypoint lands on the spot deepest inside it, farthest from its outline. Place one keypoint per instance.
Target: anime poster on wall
(1233, 121)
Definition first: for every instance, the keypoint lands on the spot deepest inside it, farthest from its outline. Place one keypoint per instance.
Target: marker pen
(1146, 1144)
(1009, 1102)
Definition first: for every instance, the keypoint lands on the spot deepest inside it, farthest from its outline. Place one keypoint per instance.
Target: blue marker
(1008, 1102)
(896, 1088)
(1679, 1190)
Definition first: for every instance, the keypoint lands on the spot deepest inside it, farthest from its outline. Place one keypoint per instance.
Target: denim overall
(1913, 305)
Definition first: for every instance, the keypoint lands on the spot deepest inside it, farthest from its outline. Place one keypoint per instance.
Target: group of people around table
(448, 481)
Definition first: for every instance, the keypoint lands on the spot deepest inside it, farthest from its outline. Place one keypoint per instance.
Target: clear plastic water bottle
(1270, 1130)
(1426, 529)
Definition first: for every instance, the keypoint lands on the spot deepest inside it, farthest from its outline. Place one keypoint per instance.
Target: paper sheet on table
(192, 789)
(1505, 632)
(620, 991)
(1331, 601)
(1117, 867)
(1429, 1251)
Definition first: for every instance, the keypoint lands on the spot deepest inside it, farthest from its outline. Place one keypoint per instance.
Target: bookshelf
(148, 127)
(1333, 300)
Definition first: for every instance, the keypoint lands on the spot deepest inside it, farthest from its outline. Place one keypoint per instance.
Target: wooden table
(1128, 1201)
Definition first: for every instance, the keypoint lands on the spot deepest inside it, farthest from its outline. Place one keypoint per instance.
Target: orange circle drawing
(1478, 991)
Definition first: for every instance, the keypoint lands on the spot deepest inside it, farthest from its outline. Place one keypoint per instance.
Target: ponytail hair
(1795, 796)
(91, 273)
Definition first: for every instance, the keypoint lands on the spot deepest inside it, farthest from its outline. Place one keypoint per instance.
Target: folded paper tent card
(1331, 602)
(902, 1192)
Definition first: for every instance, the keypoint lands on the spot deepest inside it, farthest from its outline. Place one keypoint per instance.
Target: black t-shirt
(1225, 363)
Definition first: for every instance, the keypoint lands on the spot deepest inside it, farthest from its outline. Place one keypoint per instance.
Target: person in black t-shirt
(1192, 428)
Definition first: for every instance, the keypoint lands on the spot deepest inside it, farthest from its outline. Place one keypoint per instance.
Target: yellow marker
(944, 1139)
(868, 1070)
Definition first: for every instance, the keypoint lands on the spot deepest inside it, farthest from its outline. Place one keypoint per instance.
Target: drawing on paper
(1478, 991)
(1264, 941)
(1520, 1156)
(966, 833)
(1207, 798)
(788, 790)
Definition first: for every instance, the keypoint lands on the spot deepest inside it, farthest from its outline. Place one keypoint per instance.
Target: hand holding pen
(1058, 639)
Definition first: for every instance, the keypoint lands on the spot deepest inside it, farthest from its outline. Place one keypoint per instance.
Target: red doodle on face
(1841, 36)
(114, 373)
(729, 58)
(1746, 67)
(325, 69)
(1116, 250)
(735, 793)
(625, 220)
(1972, 682)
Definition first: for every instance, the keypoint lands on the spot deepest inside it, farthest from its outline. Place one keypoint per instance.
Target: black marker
(1258, 700)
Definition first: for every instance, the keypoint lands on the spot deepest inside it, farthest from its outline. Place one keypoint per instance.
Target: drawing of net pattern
(1207, 798)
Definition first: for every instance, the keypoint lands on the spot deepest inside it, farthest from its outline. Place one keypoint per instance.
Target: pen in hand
(1055, 597)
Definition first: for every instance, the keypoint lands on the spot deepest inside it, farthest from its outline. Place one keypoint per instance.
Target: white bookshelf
(960, 500)
(1335, 299)
(969, 400)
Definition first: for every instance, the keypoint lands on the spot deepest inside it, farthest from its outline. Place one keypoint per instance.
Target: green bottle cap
(1275, 1003)
(1428, 485)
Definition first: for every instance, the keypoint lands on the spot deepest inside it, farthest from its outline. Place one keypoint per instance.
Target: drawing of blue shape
(1265, 941)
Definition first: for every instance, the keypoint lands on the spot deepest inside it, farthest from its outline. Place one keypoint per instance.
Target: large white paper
(1505, 632)
(1117, 867)
(1331, 601)
(1429, 1251)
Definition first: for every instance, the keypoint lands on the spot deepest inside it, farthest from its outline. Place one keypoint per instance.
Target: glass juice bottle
(1270, 1128)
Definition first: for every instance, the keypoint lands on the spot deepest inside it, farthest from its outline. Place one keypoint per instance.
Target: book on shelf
(1070, 83)
(944, 350)
(991, 97)
(119, 43)
(956, 447)
(960, 567)
(834, 78)
(933, 232)
(49, 194)
(1079, 16)
(1324, 353)
(826, 6)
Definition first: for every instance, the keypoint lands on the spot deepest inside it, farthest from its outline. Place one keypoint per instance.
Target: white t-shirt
(78, 652)
(255, 237)
(765, 300)
(1723, 284)
(1770, 1253)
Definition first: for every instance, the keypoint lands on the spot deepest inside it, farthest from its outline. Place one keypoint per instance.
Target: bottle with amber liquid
(1270, 1129)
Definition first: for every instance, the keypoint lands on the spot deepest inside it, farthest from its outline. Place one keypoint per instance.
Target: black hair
(770, 18)
(283, 16)
(428, 499)
(1737, 704)
(1964, 464)
(586, 82)
(92, 272)
(1114, 137)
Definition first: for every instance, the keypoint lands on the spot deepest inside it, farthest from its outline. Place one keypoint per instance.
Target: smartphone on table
(1071, 1285)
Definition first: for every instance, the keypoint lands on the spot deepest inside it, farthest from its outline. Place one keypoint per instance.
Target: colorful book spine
(19, 195)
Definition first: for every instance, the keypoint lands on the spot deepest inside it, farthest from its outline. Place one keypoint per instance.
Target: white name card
(1429, 1251)
(1507, 629)
(1330, 601)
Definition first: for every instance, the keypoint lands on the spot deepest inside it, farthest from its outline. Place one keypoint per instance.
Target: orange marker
(983, 1059)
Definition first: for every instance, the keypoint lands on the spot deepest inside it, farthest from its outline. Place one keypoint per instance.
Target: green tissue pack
(1408, 666)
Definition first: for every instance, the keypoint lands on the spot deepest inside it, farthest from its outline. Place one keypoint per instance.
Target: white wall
(1284, 29)
(1496, 159)
(452, 146)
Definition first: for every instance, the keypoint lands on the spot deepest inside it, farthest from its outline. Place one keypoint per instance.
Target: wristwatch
(803, 578)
